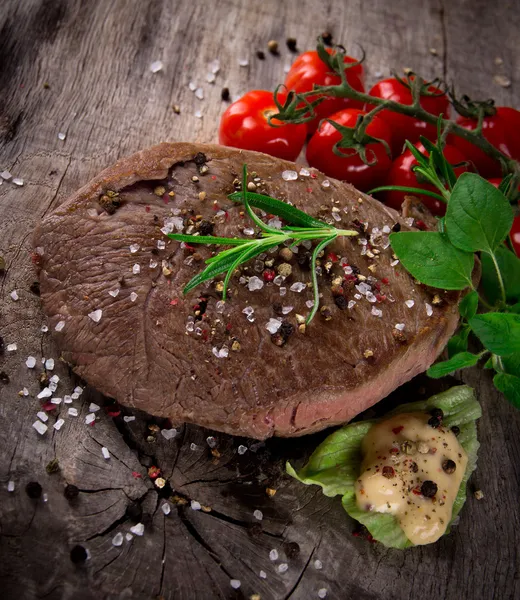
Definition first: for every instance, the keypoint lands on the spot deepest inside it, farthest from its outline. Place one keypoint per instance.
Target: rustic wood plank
(95, 57)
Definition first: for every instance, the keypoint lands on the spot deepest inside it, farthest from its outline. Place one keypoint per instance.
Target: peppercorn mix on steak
(112, 287)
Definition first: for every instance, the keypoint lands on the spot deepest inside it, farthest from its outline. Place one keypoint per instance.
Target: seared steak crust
(192, 358)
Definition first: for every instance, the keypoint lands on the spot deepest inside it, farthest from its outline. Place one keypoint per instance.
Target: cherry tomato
(494, 130)
(401, 174)
(308, 69)
(350, 167)
(510, 117)
(244, 125)
(404, 127)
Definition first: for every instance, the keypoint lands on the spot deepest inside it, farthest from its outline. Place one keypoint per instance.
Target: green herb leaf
(468, 305)
(430, 258)
(459, 361)
(515, 308)
(499, 332)
(210, 272)
(321, 246)
(459, 342)
(509, 364)
(410, 190)
(281, 209)
(509, 385)
(509, 266)
(478, 216)
(207, 239)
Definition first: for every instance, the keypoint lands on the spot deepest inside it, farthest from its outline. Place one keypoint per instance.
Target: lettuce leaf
(336, 462)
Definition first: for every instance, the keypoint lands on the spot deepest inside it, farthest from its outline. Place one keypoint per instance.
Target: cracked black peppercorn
(224, 94)
(206, 228)
(341, 302)
(455, 430)
(326, 36)
(291, 44)
(396, 227)
(291, 549)
(33, 489)
(436, 418)
(260, 55)
(200, 159)
(35, 288)
(78, 554)
(4, 377)
(134, 511)
(71, 492)
(449, 466)
(428, 488)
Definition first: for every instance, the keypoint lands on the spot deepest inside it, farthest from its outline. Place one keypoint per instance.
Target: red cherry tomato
(401, 174)
(404, 127)
(244, 125)
(510, 117)
(494, 130)
(308, 69)
(350, 167)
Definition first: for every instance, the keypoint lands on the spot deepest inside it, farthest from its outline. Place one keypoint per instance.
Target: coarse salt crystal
(74, 396)
(193, 446)
(192, 86)
(161, 245)
(67, 399)
(156, 66)
(133, 297)
(409, 303)
(117, 540)
(93, 407)
(220, 306)
(72, 412)
(128, 419)
(275, 222)
(90, 418)
(44, 329)
(318, 564)
(5, 175)
(235, 583)
(61, 136)
(14, 295)
(210, 77)
(166, 508)
(255, 283)
(429, 309)
(59, 325)
(325, 183)
(169, 434)
(153, 263)
(370, 297)
(386, 229)
(45, 393)
(11, 347)
(286, 309)
(129, 537)
(53, 386)
(198, 114)
(40, 427)
(10, 486)
(278, 280)
(25, 391)
(134, 248)
(309, 303)
(199, 93)
(351, 304)
(283, 291)
(336, 217)
(304, 172)
(282, 568)
(358, 296)
(376, 312)
(248, 231)
(258, 514)
(242, 449)
(211, 441)
(96, 315)
(137, 529)
(409, 221)
(243, 62)
(399, 326)
(195, 505)
(289, 175)
(30, 362)
(59, 424)
(136, 269)
(298, 286)
(57, 400)
(42, 416)
(273, 325)
(18, 181)
(105, 453)
(273, 555)
(214, 66)
(49, 365)
(394, 263)
(222, 353)
(54, 379)
(263, 574)
(322, 593)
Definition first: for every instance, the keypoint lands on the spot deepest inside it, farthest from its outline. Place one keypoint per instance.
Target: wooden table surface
(82, 68)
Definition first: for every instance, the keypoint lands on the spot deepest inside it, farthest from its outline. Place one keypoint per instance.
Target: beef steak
(111, 286)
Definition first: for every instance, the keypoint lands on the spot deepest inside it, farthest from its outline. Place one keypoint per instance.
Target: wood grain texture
(95, 57)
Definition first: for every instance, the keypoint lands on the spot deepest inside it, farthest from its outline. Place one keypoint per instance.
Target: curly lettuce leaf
(335, 464)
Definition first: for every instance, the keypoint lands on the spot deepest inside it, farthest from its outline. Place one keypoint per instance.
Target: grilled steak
(111, 286)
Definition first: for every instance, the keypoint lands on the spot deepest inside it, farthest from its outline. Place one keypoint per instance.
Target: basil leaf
(459, 361)
(515, 308)
(510, 364)
(431, 259)
(468, 305)
(509, 266)
(499, 332)
(509, 385)
(459, 342)
(478, 216)
(289, 213)
(489, 363)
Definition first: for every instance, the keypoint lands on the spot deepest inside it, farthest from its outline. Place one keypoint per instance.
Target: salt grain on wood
(282, 568)
(10, 486)
(258, 514)
(49, 364)
(235, 583)
(59, 423)
(195, 505)
(117, 540)
(45, 393)
(156, 66)
(14, 295)
(273, 555)
(42, 416)
(30, 362)
(105, 453)
(91, 417)
(40, 427)
(59, 326)
(11, 347)
(137, 529)
(72, 412)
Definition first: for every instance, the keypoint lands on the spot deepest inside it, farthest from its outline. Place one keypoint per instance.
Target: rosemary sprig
(301, 227)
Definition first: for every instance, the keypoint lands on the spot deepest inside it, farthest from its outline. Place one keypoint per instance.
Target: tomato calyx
(357, 139)
(472, 109)
(335, 58)
(420, 87)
